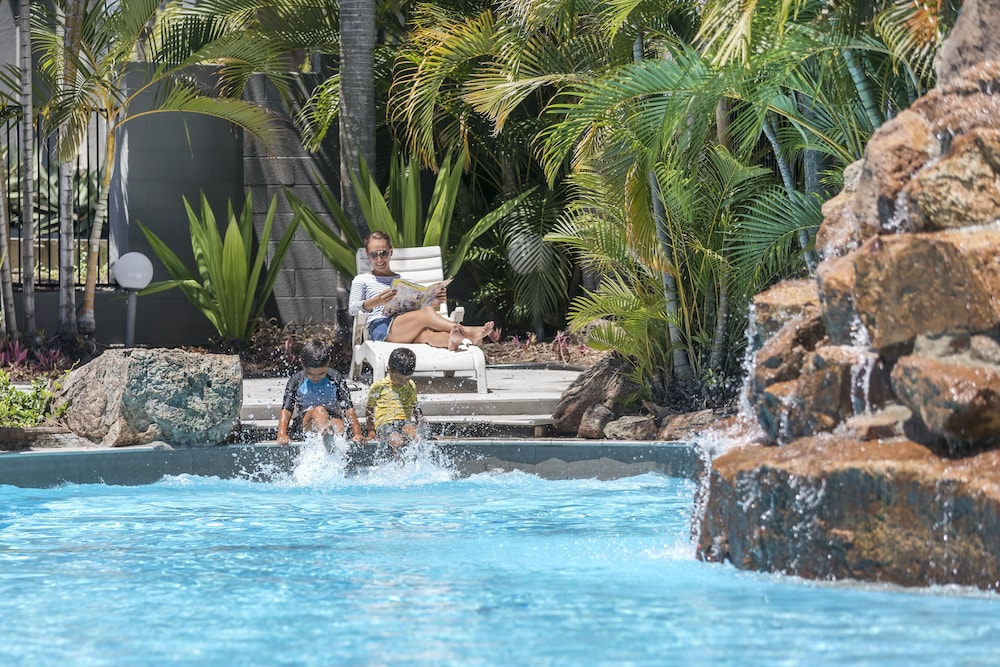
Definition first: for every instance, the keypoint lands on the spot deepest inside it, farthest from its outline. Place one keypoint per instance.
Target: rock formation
(133, 397)
(877, 386)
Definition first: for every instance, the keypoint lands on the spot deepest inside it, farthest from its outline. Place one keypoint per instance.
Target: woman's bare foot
(456, 337)
(478, 334)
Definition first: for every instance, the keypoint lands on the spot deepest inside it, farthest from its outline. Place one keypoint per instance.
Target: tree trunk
(786, 177)
(681, 367)
(357, 100)
(67, 231)
(86, 321)
(27, 172)
(721, 320)
(9, 324)
(865, 89)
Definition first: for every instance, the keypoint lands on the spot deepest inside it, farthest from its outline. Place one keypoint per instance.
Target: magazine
(412, 296)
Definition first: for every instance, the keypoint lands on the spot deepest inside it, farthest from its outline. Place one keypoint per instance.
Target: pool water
(405, 564)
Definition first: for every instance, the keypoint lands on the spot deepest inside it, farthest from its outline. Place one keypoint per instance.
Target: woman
(370, 292)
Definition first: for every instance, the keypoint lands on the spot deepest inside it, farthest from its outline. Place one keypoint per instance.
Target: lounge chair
(422, 265)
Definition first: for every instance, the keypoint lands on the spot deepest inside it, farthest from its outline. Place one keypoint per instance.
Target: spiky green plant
(231, 285)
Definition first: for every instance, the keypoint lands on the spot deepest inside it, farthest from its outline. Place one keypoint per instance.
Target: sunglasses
(379, 254)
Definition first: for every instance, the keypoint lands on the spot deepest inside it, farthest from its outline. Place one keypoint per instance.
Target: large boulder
(607, 383)
(133, 397)
(830, 508)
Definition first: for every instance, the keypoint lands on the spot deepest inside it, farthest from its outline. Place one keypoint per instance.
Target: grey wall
(8, 32)
(308, 289)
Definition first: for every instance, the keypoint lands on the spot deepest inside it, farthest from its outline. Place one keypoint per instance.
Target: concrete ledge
(262, 462)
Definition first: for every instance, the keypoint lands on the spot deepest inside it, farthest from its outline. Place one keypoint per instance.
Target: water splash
(335, 462)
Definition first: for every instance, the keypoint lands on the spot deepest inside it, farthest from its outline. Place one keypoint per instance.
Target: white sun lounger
(422, 265)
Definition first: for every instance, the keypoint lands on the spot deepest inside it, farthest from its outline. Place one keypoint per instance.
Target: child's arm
(283, 420)
(352, 418)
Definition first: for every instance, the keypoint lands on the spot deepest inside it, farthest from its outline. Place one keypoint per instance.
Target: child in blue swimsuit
(316, 398)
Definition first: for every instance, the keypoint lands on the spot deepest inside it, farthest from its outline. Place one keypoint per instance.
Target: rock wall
(877, 385)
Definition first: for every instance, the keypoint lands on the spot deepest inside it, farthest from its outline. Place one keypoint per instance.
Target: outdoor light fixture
(133, 271)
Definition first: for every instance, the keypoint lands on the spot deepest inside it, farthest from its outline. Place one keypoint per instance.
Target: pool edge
(551, 459)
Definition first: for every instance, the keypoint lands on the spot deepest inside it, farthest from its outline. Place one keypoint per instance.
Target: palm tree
(27, 134)
(357, 99)
(787, 83)
(67, 233)
(166, 41)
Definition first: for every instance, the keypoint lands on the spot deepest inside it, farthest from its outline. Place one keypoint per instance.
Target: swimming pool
(411, 565)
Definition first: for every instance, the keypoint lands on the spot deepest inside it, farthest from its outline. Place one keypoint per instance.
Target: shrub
(20, 409)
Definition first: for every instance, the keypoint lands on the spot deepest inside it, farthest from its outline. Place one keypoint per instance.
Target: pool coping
(553, 459)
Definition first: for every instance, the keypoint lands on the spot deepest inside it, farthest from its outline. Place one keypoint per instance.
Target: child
(316, 397)
(391, 408)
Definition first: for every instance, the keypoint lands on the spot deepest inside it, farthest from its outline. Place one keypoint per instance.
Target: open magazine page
(412, 296)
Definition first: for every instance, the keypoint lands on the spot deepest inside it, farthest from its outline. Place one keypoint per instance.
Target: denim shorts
(379, 329)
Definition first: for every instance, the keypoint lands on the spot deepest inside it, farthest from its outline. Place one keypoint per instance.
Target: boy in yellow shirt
(391, 407)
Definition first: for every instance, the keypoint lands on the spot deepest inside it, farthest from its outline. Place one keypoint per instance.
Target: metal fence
(46, 204)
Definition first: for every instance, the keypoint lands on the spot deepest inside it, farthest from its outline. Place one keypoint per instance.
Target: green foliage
(231, 286)
(21, 409)
(399, 212)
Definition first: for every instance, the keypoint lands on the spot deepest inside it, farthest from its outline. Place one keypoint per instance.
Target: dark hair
(402, 361)
(378, 236)
(315, 354)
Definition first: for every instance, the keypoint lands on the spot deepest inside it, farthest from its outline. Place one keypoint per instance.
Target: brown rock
(841, 230)
(781, 303)
(897, 150)
(972, 40)
(963, 103)
(834, 384)
(631, 427)
(605, 383)
(887, 422)
(782, 355)
(956, 398)
(960, 190)
(828, 508)
(687, 425)
(594, 420)
(896, 287)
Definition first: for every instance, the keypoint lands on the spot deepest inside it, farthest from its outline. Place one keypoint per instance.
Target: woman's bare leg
(408, 327)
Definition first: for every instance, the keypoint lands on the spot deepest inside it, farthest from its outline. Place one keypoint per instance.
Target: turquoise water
(406, 565)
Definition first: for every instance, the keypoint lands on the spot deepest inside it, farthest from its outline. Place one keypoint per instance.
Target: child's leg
(396, 441)
(316, 420)
(410, 430)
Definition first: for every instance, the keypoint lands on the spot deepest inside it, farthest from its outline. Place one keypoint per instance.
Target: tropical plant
(231, 286)
(780, 83)
(22, 409)
(156, 45)
(399, 212)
